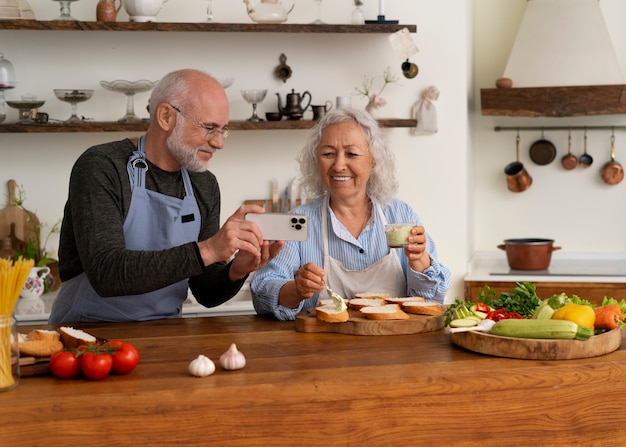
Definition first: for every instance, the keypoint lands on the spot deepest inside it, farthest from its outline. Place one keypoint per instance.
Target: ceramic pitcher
(106, 10)
(143, 10)
(34, 285)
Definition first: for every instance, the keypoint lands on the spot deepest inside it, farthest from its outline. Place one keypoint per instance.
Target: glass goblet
(254, 97)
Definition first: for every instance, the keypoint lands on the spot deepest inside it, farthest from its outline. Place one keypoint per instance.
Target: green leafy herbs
(522, 299)
(457, 310)
(560, 300)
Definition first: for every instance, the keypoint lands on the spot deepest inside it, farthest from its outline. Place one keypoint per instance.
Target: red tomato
(64, 364)
(96, 365)
(126, 358)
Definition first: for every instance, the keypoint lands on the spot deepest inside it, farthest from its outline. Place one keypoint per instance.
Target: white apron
(154, 222)
(385, 275)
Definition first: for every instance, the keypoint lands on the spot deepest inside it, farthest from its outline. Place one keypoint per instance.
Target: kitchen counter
(318, 389)
(564, 267)
(240, 304)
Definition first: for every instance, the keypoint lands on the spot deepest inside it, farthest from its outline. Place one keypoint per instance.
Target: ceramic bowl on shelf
(226, 82)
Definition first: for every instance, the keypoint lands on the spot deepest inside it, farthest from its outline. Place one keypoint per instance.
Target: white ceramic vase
(143, 10)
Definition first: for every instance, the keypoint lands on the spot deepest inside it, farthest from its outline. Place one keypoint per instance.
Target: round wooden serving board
(357, 325)
(539, 349)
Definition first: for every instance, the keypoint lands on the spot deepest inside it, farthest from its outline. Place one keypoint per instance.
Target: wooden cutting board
(524, 348)
(358, 325)
(25, 221)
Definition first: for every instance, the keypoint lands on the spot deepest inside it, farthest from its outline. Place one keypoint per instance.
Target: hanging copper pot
(542, 151)
(517, 178)
(569, 161)
(612, 172)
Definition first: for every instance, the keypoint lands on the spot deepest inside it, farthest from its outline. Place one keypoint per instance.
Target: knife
(274, 196)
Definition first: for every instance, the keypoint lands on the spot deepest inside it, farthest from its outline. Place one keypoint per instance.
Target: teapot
(143, 10)
(268, 11)
(106, 10)
(293, 109)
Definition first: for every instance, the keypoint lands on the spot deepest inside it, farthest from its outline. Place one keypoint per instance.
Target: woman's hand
(419, 260)
(309, 280)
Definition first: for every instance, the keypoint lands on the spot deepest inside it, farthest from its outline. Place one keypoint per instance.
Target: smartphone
(281, 226)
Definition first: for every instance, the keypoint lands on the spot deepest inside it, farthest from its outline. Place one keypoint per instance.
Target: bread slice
(407, 299)
(73, 338)
(386, 312)
(330, 314)
(360, 303)
(330, 301)
(421, 308)
(43, 334)
(372, 295)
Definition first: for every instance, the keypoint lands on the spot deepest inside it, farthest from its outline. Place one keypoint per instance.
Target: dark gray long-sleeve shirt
(92, 235)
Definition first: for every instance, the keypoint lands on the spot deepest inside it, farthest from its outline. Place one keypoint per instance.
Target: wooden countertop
(318, 389)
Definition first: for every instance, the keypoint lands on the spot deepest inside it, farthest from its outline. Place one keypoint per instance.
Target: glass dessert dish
(25, 106)
(65, 8)
(73, 97)
(254, 97)
(129, 88)
(398, 233)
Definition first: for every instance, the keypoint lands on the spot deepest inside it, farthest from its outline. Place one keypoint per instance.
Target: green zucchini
(464, 322)
(541, 328)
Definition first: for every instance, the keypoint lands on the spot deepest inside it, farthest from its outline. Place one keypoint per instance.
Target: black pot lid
(542, 152)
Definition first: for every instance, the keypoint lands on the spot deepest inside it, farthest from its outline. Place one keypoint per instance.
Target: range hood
(562, 64)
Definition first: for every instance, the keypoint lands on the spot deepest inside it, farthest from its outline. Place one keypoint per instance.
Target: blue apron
(154, 222)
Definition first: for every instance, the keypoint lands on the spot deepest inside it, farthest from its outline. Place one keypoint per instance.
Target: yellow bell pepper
(580, 314)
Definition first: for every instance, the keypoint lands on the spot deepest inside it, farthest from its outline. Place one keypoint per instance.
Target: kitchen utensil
(585, 159)
(358, 324)
(25, 106)
(65, 9)
(143, 10)
(23, 221)
(254, 97)
(482, 326)
(569, 161)
(318, 20)
(538, 349)
(542, 151)
(321, 110)
(612, 172)
(106, 10)
(528, 253)
(73, 97)
(518, 179)
(293, 109)
(268, 11)
(129, 88)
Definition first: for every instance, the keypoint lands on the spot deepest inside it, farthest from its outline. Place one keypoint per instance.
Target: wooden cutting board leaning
(24, 221)
(359, 325)
(538, 349)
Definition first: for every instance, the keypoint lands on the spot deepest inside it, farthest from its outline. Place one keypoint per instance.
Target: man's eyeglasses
(209, 132)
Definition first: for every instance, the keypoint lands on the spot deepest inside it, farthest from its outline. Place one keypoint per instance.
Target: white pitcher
(143, 10)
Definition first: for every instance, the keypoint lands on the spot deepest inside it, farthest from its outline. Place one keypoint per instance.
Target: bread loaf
(386, 312)
(43, 334)
(73, 338)
(409, 299)
(372, 295)
(360, 303)
(39, 343)
(420, 308)
(330, 314)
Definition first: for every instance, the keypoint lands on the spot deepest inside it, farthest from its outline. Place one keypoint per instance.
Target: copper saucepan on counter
(528, 253)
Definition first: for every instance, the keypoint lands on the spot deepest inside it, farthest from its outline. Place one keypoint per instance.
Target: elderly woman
(348, 173)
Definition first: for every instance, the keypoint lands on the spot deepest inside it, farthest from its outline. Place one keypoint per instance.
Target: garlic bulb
(232, 359)
(201, 366)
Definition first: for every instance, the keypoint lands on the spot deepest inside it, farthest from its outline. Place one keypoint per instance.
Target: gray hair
(382, 183)
(174, 87)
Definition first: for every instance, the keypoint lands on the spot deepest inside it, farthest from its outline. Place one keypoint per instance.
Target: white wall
(432, 169)
(574, 207)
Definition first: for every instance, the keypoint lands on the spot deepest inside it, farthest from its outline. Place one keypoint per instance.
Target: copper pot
(569, 161)
(517, 178)
(528, 254)
(612, 172)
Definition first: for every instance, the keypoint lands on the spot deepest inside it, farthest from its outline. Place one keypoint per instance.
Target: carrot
(608, 317)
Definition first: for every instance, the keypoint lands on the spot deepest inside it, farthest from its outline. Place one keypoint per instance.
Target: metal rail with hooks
(542, 128)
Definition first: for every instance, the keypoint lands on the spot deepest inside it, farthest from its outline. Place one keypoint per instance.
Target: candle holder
(381, 16)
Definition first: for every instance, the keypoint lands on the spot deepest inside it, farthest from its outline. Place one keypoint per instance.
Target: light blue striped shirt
(354, 254)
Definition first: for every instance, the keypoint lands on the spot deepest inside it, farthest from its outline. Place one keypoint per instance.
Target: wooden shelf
(61, 25)
(113, 126)
(554, 101)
